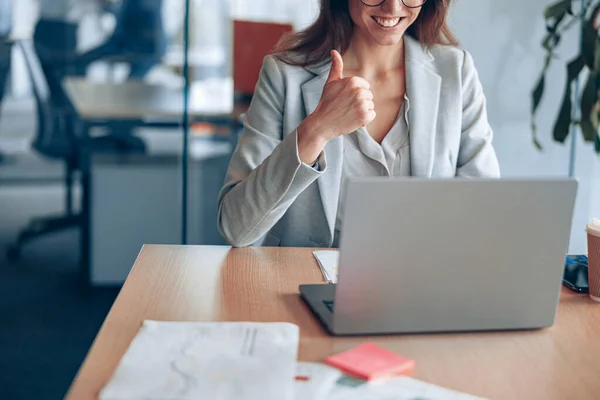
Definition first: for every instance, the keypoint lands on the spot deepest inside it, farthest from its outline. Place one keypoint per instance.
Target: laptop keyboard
(328, 304)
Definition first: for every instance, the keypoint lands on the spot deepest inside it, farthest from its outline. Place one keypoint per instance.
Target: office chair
(55, 138)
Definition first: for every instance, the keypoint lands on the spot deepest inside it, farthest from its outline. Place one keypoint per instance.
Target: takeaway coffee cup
(593, 238)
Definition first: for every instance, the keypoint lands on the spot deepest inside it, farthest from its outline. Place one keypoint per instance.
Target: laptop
(422, 255)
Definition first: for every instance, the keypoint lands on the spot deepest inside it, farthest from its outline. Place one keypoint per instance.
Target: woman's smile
(387, 22)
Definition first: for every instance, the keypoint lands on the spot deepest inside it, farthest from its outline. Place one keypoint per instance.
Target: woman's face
(385, 24)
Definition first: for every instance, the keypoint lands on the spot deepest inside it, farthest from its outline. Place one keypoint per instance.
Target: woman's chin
(387, 40)
(382, 37)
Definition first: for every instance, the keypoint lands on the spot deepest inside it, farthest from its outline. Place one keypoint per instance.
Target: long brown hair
(334, 26)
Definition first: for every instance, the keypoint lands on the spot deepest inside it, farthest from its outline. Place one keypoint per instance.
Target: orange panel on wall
(252, 41)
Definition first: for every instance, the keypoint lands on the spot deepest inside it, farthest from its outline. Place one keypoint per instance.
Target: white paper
(328, 262)
(193, 360)
(398, 388)
(314, 381)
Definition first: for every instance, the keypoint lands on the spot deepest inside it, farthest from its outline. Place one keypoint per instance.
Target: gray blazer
(270, 195)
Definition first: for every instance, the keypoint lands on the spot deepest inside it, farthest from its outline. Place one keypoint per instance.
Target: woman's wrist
(312, 139)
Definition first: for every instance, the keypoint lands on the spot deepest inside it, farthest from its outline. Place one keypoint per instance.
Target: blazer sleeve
(476, 156)
(265, 174)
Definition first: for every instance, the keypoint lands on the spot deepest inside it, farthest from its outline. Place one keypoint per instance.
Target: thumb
(337, 67)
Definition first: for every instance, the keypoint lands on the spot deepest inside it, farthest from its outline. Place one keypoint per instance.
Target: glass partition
(228, 41)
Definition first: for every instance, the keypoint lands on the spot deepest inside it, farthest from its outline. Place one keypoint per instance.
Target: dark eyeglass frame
(403, 2)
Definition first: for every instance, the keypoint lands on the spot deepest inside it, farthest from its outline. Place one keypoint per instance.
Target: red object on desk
(369, 362)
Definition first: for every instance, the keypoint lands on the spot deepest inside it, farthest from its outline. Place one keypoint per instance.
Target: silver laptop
(447, 255)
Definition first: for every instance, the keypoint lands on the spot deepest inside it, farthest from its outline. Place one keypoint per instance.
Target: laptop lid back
(452, 255)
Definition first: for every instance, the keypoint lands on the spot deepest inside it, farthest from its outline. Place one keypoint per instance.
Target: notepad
(328, 262)
(369, 362)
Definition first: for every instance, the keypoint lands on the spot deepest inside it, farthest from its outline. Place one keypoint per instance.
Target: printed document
(194, 360)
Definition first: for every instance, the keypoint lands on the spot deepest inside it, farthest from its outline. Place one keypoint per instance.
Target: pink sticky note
(369, 362)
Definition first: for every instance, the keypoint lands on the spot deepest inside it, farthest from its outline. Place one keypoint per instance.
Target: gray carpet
(48, 318)
(19, 163)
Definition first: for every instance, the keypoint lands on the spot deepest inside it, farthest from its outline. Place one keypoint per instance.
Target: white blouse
(364, 157)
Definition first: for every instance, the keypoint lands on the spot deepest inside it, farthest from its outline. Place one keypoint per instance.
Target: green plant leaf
(596, 66)
(534, 136)
(537, 143)
(558, 9)
(563, 120)
(537, 95)
(574, 68)
(589, 97)
(588, 130)
(551, 41)
(552, 25)
(589, 40)
(538, 92)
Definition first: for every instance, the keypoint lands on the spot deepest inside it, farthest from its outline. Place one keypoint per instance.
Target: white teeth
(387, 22)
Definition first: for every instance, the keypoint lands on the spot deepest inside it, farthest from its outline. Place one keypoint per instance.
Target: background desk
(140, 101)
(144, 105)
(175, 283)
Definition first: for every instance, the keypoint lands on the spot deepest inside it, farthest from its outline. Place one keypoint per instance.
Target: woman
(395, 97)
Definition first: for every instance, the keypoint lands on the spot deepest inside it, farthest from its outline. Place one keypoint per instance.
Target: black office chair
(56, 139)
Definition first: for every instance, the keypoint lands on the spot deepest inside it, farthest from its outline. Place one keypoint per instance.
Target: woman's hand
(346, 105)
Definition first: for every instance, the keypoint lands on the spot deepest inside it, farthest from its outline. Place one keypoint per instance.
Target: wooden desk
(176, 283)
(138, 104)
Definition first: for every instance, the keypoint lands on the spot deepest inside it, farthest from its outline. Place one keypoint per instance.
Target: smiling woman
(372, 88)
(334, 27)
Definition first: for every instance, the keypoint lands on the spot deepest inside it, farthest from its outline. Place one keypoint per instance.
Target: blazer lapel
(423, 88)
(329, 182)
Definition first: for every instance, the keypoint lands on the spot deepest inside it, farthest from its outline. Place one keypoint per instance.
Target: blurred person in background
(139, 38)
(55, 34)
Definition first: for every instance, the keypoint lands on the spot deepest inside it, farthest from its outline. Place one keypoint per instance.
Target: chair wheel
(13, 253)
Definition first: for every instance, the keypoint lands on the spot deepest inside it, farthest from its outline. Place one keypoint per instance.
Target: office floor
(48, 319)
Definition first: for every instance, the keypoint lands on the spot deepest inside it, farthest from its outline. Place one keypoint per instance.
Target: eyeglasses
(407, 3)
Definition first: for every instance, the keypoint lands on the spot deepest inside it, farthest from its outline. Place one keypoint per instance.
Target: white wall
(504, 38)
(299, 13)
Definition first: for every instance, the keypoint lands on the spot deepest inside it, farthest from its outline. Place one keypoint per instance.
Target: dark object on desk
(55, 138)
(576, 273)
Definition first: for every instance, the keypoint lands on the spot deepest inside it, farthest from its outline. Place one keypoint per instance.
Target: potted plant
(560, 17)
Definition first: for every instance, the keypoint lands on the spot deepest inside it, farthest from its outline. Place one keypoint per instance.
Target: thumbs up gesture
(346, 103)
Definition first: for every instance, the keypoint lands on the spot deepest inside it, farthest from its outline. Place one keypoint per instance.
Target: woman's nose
(393, 6)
